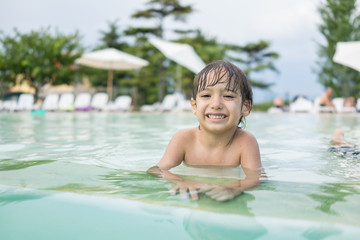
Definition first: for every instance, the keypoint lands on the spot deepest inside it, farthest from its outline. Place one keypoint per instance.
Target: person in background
(350, 102)
(278, 103)
(326, 100)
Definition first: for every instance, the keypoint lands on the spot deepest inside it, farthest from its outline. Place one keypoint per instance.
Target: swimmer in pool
(222, 98)
(340, 145)
(278, 103)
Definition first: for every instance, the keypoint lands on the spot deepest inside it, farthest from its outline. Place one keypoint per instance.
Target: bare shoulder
(249, 149)
(184, 137)
(176, 149)
(242, 135)
(185, 134)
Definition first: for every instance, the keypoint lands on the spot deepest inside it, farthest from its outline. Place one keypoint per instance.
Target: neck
(216, 139)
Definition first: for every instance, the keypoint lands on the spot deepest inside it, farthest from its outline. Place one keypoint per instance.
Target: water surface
(84, 174)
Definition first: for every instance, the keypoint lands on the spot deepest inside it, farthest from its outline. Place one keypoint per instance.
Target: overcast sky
(290, 26)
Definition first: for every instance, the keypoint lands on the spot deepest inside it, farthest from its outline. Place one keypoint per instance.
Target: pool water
(83, 176)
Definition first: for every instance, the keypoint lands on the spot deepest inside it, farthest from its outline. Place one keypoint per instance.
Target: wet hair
(225, 72)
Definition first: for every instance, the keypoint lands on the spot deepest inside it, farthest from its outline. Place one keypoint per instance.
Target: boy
(222, 97)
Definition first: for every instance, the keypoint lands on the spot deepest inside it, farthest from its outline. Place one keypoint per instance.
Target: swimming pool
(82, 176)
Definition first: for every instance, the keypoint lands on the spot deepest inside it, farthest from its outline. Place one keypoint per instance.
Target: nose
(216, 102)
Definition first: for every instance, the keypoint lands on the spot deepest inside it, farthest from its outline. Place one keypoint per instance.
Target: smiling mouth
(216, 116)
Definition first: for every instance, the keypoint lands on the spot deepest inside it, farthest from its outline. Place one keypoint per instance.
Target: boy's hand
(191, 188)
(222, 193)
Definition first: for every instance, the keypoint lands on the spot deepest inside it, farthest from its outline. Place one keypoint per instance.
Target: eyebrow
(226, 89)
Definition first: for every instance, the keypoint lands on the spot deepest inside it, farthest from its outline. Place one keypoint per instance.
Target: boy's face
(218, 108)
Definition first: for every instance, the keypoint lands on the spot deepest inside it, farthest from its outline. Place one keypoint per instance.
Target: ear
(193, 105)
(246, 109)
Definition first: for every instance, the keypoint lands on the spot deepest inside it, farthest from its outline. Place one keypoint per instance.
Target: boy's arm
(250, 163)
(230, 191)
(182, 186)
(173, 157)
(174, 153)
(250, 154)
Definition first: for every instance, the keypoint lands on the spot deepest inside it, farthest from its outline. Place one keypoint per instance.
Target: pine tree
(340, 23)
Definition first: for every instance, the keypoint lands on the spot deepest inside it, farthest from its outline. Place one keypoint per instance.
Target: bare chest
(224, 156)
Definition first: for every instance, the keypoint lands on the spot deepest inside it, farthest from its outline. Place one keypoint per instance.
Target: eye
(230, 96)
(205, 95)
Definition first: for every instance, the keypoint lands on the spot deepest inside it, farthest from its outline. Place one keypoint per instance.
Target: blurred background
(285, 47)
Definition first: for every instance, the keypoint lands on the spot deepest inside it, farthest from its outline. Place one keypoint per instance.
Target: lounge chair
(123, 103)
(25, 102)
(185, 105)
(151, 107)
(9, 105)
(322, 109)
(172, 102)
(10, 101)
(99, 101)
(339, 105)
(169, 103)
(83, 101)
(66, 102)
(301, 105)
(51, 102)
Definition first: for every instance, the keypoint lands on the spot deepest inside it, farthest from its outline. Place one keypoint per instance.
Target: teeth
(217, 116)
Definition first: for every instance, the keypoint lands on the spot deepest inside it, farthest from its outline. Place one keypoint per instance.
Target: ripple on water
(11, 147)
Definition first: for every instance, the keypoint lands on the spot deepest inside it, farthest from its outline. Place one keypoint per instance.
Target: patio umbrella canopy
(348, 54)
(111, 59)
(180, 53)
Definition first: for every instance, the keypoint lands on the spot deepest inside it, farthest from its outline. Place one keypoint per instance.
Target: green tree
(340, 22)
(145, 82)
(111, 38)
(159, 10)
(40, 57)
(255, 57)
(208, 50)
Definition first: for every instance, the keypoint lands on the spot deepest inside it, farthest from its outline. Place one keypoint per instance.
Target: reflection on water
(330, 194)
(11, 164)
(99, 154)
(13, 197)
(142, 186)
(320, 233)
(224, 227)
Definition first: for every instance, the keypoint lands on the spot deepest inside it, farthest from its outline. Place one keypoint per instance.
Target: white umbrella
(180, 53)
(111, 59)
(348, 54)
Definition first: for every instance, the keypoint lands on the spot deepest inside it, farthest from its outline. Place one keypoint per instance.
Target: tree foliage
(39, 57)
(254, 57)
(340, 22)
(110, 38)
(207, 48)
(43, 57)
(159, 10)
